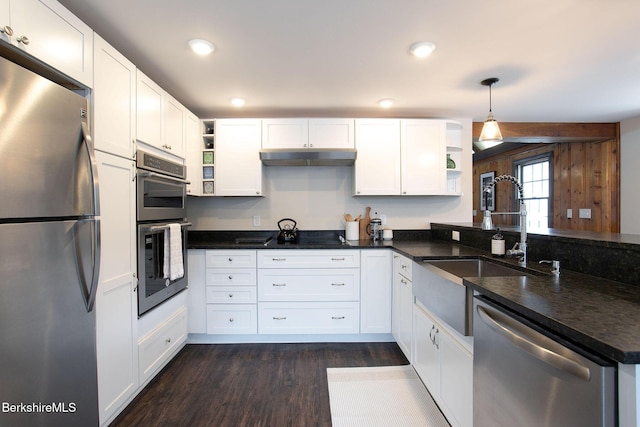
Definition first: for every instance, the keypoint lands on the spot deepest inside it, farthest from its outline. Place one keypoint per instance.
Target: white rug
(381, 396)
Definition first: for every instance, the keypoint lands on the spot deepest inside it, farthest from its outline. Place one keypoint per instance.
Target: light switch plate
(569, 213)
(256, 220)
(455, 235)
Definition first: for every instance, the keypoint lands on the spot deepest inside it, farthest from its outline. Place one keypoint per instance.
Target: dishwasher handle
(542, 353)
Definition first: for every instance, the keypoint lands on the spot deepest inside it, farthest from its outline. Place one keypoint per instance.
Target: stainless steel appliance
(49, 254)
(161, 189)
(525, 376)
(161, 194)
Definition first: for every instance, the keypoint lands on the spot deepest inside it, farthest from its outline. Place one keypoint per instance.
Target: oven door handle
(526, 344)
(155, 228)
(147, 174)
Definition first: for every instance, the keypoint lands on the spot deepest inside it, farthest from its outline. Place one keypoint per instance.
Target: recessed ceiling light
(385, 103)
(237, 102)
(422, 49)
(201, 47)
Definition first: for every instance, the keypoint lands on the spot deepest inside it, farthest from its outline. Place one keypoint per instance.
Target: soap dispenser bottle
(497, 244)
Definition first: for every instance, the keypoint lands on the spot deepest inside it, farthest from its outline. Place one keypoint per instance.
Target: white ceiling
(557, 60)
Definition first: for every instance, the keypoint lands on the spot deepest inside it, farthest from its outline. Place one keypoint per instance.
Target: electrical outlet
(585, 213)
(256, 220)
(455, 235)
(569, 213)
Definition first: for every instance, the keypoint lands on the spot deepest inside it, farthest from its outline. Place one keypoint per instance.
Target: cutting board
(364, 221)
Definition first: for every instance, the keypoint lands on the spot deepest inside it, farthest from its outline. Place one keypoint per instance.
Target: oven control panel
(150, 162)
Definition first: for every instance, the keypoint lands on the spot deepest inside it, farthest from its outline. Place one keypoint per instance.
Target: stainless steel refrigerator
(49, 254)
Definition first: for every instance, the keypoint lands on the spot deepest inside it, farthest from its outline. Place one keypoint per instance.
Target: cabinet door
(197, 291)
(331, 133)
(457, 381)
(113, 100)
(55, 36)
(238, 167)
(193, 154)
(173, 122)
(377, 167)
(427, 353)
(285, 133)
(405, 329)
(116, 301)
(375, 291)
(149, 105)
(423, 157)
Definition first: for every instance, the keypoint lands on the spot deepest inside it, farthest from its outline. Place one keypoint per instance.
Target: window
(535, 175)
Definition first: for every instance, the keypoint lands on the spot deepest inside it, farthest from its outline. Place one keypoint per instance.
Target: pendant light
(490, 135)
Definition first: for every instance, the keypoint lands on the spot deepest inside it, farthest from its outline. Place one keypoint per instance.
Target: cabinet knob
(23, 39)
(168, 341)
(230, 259)
(230, 295)
(230, 277)
(7, 30)
(231, 320)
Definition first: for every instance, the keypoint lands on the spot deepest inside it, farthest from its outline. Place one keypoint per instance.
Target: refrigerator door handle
(93, 168)
(88, 290)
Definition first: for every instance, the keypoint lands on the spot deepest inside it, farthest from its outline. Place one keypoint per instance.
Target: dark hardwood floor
(270, 385)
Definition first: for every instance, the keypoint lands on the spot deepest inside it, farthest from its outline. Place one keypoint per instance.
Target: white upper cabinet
(423, 158)
(237, 162)
(404, 157)
(331, 133)
(377, 167)
(308, 133)
(174, 126)
(149, 105)
(48, 31)
(193, 154)
(160, 118)
(114, 100)
(285, 133)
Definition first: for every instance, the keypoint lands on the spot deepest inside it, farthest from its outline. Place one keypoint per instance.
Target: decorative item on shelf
(490, 135)
(207, 187)
(208, 145)
(207, 158)
(207, 172)
(450, 163)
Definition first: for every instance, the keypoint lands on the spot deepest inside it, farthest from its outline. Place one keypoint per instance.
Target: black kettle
(288, 232)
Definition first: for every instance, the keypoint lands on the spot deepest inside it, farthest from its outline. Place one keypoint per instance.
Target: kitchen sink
(439, 287)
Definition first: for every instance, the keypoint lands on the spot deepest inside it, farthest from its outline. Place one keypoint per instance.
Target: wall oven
(161, 201)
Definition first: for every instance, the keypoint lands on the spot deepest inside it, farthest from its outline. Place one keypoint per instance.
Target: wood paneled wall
(585, 175)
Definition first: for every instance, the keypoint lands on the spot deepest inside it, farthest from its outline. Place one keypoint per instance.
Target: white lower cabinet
(402, 307)
(308, 317)
(231, 293)
(444, 362)
(156, 347)
(375, 291)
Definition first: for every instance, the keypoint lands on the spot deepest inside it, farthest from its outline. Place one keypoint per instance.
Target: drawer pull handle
(338, 259)
(404, 282)
(230, 277)
(231, 320)
(279, 318)
(337, 284)
(278, 259)
(230, 295)
(337, 317)
(168, 341)
(279, 284)
(404, 266)
(230, 259)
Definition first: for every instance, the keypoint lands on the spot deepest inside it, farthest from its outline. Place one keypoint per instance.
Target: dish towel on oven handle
(173, 267)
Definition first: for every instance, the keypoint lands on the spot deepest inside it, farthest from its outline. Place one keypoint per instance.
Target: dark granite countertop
(598, 314)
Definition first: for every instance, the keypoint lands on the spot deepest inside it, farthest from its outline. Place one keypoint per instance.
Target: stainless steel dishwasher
(524, 376)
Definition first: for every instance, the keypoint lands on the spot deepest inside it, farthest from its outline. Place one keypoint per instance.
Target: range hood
(308, 157)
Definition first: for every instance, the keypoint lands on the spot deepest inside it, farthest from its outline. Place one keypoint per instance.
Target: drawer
(403, 265)
(306, 258)
(232, 319)
(340, 284)
(230, 276)
(234, 258)
(156, 347)
(231, 294)
(309, 318)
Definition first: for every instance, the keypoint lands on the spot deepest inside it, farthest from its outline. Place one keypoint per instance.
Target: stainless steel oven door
(160, 197)
(153, 287)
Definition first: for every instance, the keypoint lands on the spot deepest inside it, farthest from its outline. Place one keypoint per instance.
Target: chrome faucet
(555, 266)
(520, 248)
